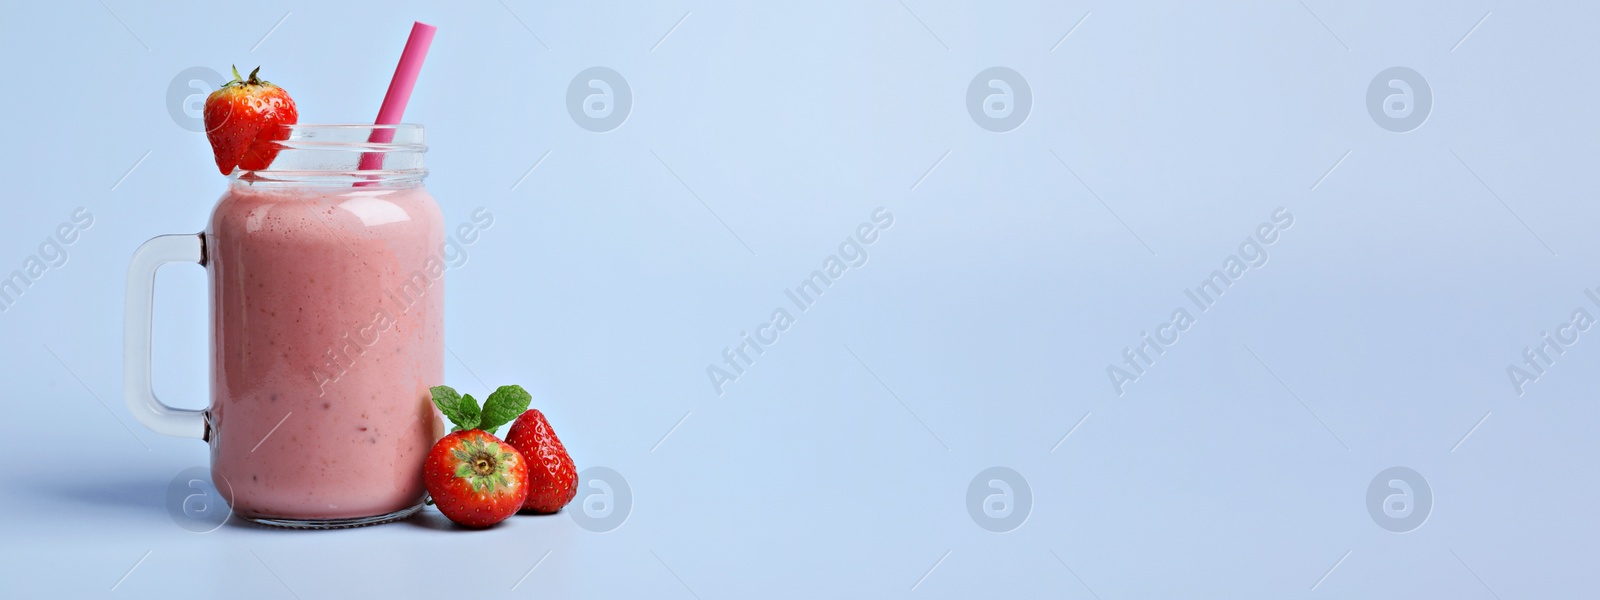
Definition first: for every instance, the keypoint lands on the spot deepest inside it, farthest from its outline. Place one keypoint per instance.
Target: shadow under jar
(327, 329)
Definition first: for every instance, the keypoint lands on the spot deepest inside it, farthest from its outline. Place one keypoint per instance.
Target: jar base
(337, 523)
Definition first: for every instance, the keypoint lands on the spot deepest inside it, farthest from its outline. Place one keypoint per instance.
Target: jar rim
(333, 152)
(394, 126)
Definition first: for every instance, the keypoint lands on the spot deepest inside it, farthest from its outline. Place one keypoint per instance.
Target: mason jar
(326, 279)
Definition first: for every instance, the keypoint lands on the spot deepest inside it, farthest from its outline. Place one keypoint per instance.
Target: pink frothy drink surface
(328, 326)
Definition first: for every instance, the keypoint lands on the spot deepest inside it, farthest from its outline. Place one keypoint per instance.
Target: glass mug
(327, 329)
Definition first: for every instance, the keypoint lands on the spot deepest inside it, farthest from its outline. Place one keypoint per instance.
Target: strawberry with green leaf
(476, 479)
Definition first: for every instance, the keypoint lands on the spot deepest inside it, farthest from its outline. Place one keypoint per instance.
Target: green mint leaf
(461, 410)
(503, 406)
(448, 401)
(469, 406)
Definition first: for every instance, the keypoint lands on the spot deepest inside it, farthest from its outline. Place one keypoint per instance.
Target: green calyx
(504, 405)
(484, 464)
(239, 80)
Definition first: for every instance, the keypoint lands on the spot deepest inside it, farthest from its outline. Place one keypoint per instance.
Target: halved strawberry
(244, 118)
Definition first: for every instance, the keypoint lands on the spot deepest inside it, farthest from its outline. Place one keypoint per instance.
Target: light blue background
(983, 322)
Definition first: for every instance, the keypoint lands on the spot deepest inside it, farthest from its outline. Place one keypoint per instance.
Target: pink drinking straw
(394, 102)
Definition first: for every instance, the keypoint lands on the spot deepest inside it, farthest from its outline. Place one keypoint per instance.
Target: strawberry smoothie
(328, 329)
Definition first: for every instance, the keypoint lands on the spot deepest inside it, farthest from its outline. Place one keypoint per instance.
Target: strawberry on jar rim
(244, 119)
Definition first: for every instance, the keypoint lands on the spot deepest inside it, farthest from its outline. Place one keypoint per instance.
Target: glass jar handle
(141, 397)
